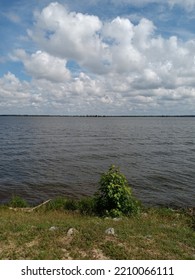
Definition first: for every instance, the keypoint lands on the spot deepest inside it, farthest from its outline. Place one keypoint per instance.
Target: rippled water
(44, 157)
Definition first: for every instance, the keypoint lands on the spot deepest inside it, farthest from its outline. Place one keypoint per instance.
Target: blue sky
(107, 57)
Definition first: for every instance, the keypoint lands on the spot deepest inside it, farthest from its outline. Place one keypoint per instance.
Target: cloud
(103, 47)
(41, 65)
(69, 35)
(124, 67)
(14, 93)
(189, 5)
(137, 3)
(79, 95)
(96, 45)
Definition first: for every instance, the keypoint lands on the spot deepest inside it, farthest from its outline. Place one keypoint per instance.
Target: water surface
(44, 157)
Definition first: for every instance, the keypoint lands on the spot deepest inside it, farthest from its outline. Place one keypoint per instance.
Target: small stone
(117, 219)
(110, 231)
(53, 228)
(72, 231)
(148, 236)
(145, 215)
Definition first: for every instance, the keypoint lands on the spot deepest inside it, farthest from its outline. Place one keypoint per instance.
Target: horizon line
(89, 115)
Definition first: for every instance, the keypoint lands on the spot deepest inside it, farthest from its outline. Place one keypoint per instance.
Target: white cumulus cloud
(69, 35)
(41, 65)
(124, 67)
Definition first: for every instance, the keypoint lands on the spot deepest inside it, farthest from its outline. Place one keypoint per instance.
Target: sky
(98, 57)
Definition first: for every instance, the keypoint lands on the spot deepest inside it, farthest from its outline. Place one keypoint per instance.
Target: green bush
(17, 201)
(114, 197)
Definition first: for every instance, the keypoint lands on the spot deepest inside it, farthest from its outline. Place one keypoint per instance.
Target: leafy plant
(17, 201)
(114, 197)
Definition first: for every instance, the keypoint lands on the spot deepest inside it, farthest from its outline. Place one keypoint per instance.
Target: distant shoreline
(100, 116)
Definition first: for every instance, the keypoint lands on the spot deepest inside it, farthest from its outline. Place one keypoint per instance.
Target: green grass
(153, 234)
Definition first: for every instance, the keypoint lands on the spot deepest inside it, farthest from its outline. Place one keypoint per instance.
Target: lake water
(45, 157)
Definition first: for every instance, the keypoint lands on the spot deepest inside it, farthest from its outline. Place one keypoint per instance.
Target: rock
(53, 228)
(145, 215)
(72, 231)
(117, 219)
(110, 231)
(148, 236)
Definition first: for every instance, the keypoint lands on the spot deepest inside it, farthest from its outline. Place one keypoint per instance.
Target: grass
(155, 233)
